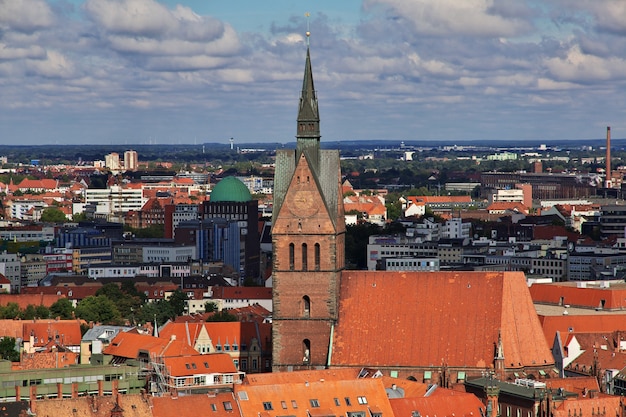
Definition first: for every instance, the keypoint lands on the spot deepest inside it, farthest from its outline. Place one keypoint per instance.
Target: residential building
(130, 160)
(10, 267)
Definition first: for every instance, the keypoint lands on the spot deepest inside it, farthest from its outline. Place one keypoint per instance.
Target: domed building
(231, 200)
(230, 189)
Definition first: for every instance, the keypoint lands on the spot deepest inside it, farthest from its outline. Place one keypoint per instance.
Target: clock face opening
(303, 204)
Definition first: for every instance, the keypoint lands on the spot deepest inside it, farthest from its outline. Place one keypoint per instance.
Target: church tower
(308, 238)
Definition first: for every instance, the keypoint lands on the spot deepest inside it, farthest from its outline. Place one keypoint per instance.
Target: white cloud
(25, 15)
(579, 67)
(454, 17)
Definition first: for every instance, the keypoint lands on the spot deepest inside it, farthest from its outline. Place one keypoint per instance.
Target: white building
(10, 267)
(130, 160)
(112, 161)
(168, 253)
(115, 200)
(455, 228)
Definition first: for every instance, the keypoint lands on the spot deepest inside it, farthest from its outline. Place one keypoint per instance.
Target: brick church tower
(308, 238)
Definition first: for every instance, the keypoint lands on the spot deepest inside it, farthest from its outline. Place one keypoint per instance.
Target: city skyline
(142, 71)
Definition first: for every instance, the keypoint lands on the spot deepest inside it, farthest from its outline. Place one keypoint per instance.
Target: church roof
(428, 319)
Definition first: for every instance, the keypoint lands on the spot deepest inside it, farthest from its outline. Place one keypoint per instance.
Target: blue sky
(148, 71)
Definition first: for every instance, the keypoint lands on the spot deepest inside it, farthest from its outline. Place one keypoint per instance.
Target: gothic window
(304, 257)
(317, 256)
(306, 306)
(291, 256)
(306, 351)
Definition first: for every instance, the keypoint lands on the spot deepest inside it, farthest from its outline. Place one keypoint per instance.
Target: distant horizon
(191, 71)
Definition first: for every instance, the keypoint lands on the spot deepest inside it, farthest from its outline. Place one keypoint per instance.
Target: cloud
(579, 67)
(484, 18)
(25, 15)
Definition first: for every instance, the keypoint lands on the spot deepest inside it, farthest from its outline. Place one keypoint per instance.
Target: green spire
(308, 136)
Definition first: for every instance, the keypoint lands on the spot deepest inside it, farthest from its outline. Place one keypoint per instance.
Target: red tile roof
(379, 326)
(574, 384)
(300, 377)
(213, 363)
(194, 405)
(587, 323)
(568, 293)
(129, 345)
(222, 332)
(446, 403)
(605, 404)
(23, 300)
(319, 398)
(63, 332)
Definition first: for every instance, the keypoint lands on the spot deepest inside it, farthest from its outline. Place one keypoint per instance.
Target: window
(317, 256)
(283, 404)
(306, 351)
(306, 306)
(337, 403)
(213, 407)
(304, 257)
(228, 406)
(428, 375)
(254, 364)
(294, 404)
(362, 400)
(244, 364)
(314, 403)
(267, 405)
(348, 402)
(291, 256)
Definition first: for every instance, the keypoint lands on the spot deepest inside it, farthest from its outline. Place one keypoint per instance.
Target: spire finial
(308, 32)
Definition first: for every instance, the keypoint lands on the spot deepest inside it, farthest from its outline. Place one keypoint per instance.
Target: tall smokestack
(608, 158)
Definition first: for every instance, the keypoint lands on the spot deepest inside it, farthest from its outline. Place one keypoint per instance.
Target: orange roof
(95, 406)
(504, 205)
(568, 293)
(319, 398)
(129, 345)
(574, 384)
(606, 359)
(222, 332)
(586, 323)
(465, 310)
(445, 403)
(609, 404)
(191, 405)
(300, 377)
(63, 332)
(212, 363)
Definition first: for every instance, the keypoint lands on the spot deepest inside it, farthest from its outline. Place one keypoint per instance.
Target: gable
(451, 317)
(304, 208)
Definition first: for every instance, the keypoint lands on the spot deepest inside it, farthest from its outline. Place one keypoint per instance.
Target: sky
(194, 71)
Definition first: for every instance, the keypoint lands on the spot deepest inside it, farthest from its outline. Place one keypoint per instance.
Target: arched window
(306, 351)
(317, 256)
(304, 257)
(306, 306)
(291, 256)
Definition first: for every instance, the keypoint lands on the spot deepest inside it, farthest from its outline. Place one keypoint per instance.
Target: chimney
(33, 398)
(608, 158)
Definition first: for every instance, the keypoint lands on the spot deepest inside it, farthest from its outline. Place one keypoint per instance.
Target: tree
(53, 215)
(62, 308)
(98, 309)
(210, 307)
(177, 302)
(7, 349)
(161, 309)
(222, 316)
(11, 311)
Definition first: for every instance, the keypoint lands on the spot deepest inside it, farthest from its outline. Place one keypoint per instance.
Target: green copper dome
(230, 189)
